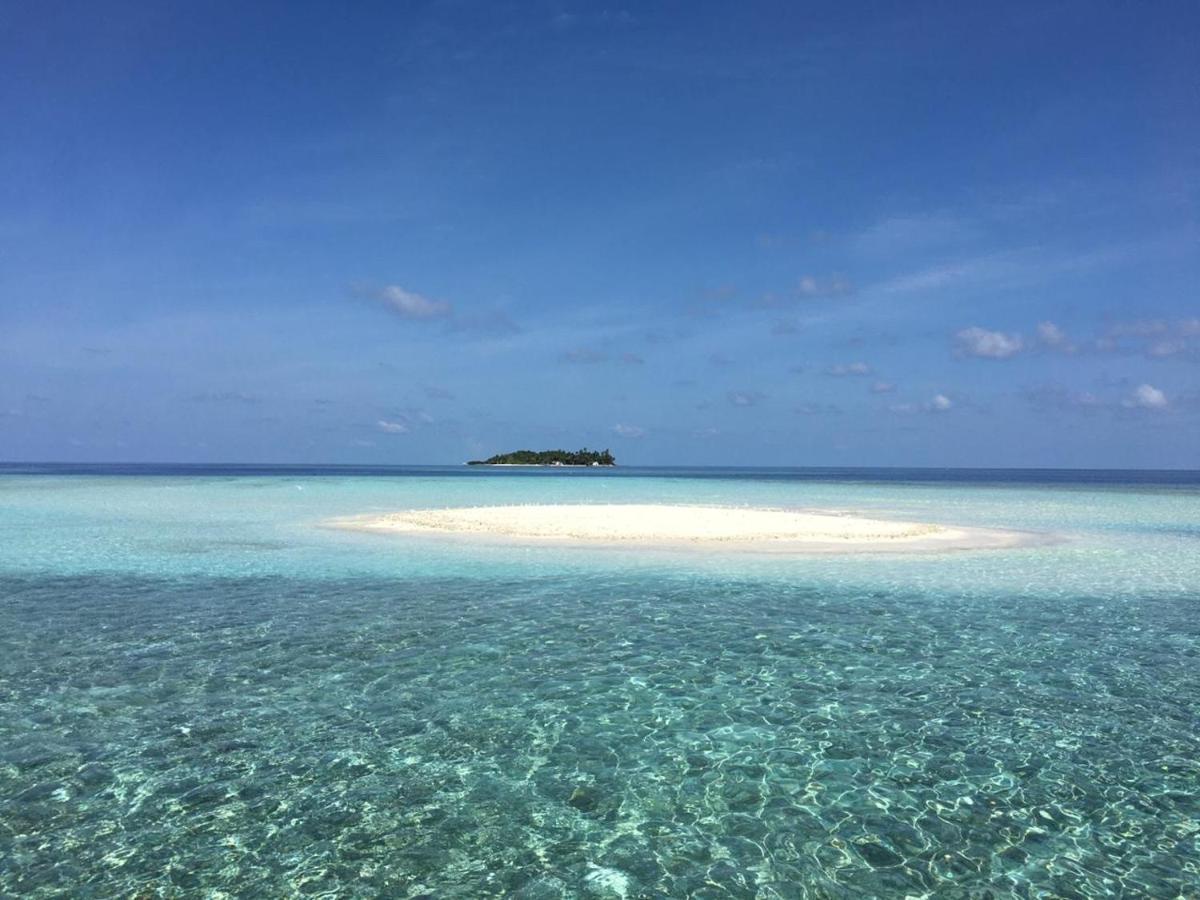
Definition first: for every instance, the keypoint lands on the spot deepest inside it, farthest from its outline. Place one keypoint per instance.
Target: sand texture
(745, 528)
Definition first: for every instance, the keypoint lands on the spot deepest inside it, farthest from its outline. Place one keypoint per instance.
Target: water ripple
(604, 737)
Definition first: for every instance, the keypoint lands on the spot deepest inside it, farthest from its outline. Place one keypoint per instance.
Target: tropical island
(582, 457)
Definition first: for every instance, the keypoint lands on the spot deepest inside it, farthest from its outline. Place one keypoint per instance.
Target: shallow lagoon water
(203, 691)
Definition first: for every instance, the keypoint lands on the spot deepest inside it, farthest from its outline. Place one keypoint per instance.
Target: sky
(806, 234)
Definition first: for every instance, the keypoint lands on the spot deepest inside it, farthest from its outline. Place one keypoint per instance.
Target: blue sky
(696, 233)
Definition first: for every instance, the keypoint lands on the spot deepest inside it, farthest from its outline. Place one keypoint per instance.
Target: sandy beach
(662, 525)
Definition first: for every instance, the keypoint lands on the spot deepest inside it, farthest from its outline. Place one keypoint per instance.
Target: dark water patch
(202, 547)
(1184, 531)
(591, 737)
(242, 473)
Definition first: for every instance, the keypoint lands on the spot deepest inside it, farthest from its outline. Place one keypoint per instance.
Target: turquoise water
(205, 692)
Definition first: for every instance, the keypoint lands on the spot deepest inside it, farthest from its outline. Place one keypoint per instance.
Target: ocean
(204, 691)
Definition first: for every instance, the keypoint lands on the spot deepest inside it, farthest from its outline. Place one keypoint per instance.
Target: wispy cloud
(411, 305)
(1142, 328)
(983, 344)
(1157, 338)
(807, 288)
(1057, 398)
(812, 287)
(1163, 339)
(1029, 266)
(942, 275)
(908, 233)
(1167, 347)
(746, 398)
(583, 356)
(417, 307)
(224, 397)
(842, 370)
(882, 387)
(628, 431)
(661, 336)
(818, 409)
(390, 427)
(938, 403)
(487, 323)
(1050, 335)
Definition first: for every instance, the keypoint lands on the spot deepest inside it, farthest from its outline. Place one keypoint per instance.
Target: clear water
(204, 692)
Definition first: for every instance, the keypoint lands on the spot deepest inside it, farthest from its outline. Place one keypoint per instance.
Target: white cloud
(810, 287)
(1165, 348)
(980, 342)
(1146, 396)
(1050, 334)
(629, 431)
(938, 404)
(882, 387)
(854, 368)
(392, 427)
(410, 305)
(745, 398)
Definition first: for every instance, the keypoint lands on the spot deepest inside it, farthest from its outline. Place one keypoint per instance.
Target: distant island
(582, 457)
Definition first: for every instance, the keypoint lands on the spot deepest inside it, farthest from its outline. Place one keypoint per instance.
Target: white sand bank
(726, 528)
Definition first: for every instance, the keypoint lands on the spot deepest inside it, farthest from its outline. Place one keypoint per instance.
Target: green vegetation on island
(582, 457)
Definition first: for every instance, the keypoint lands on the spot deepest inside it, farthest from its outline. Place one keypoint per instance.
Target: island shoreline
(487, 465)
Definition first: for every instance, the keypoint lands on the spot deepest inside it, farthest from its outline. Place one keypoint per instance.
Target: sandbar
(755, 529)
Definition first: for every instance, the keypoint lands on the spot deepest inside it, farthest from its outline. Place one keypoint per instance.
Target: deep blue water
(204, 693)
(1092, 477)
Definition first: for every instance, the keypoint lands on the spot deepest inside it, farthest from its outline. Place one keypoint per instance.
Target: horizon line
(464, 464)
